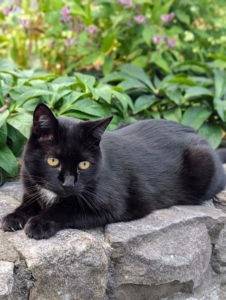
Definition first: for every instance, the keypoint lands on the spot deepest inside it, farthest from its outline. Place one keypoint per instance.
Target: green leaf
(182, 16)
(108, 43)
(195, 116)
(213, 133)
(174, 114)
(17, 140)
(108, 65)
(143, 102)
(219, 82)
(91, 107)
(3, 116)
(175, 96)
(220, 107)
(131, 83)
(197, 91)
(124, 99)
(138, 73)
(3, 176)
(29, 94)
(8, 161)
(3, 135)
(85, 79)
(182, 80)
(104, 91)
(21, 122)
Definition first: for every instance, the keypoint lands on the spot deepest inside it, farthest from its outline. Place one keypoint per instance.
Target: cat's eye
(83, 165)
(53, 162)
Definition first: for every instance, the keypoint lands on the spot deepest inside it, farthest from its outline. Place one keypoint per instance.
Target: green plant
(128, 94)
(101, 35)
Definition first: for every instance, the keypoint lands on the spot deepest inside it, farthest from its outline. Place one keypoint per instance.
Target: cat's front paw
(39, 228)
(13, 222)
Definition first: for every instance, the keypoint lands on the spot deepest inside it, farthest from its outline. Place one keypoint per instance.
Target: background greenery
(90, 59)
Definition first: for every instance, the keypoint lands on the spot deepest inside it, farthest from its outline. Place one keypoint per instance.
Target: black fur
(134, 170)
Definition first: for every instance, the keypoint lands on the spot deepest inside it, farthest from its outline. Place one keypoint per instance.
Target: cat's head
(63, 155)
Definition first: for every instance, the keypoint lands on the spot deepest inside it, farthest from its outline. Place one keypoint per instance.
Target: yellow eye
(83, 165)
(53, 162)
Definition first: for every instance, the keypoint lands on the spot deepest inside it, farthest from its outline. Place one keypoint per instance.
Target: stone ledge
(172, 254)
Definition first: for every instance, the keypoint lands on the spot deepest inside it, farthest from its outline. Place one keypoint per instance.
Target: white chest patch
(48, 197)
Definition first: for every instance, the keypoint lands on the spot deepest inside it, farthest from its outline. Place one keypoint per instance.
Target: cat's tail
(222, 155)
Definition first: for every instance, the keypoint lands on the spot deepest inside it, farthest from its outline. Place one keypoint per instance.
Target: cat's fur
(134, 170)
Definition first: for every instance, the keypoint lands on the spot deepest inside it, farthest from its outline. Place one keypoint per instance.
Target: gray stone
(13, 189)
(167, 252)
(6, 279)
(71, 265)
(8, 204)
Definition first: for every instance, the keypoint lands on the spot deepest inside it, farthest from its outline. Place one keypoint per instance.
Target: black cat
(77, 176)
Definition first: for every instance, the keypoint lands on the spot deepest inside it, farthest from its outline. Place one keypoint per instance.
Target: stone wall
(172, 254)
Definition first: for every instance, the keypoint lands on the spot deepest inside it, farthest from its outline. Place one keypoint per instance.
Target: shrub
(102, 35)
(128, 94)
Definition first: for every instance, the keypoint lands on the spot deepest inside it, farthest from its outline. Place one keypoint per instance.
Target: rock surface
(172, 254)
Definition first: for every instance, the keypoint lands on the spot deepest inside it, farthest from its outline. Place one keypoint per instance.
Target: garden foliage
(134, 59)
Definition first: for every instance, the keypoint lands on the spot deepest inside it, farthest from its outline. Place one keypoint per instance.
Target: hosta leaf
(213, 133)
(3, 117)
(197, 91)
(195, 116)
(8, 161)
(21, 122)
(143, 102)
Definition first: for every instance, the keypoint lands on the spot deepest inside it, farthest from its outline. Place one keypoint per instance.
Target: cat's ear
(44, 122)
(95, 129)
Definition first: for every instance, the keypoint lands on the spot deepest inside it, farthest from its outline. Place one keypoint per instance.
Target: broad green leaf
(115, 76)
(140, 61)
(108, 65)
(157, 59)
(17, 140)
(138, 73)
(91, 107)
(197, 91)
(8, 161)
(174, 114)
(123, 99)
(21, 122)
(3, 116)
(175, 96)
(220, 106)
(64, 81)
(219, 82)
(183, 16)
(3, 135)
(104, 91)
(182, 80)
(7, 78)
(108, 43)
(85, 79)
(143, 102)
(131, 83)
(213, 133)
(195, 116)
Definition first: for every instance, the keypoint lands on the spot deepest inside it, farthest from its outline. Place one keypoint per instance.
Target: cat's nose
(68, 183)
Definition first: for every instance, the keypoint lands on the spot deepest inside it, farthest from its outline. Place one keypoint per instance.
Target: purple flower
(167, 18)
(25, 23)
(171, 43)
(6, 10)
(66, 17)
(139, 19)
(157, 39)
(92, 29)
(69, 42)
(126, 3)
